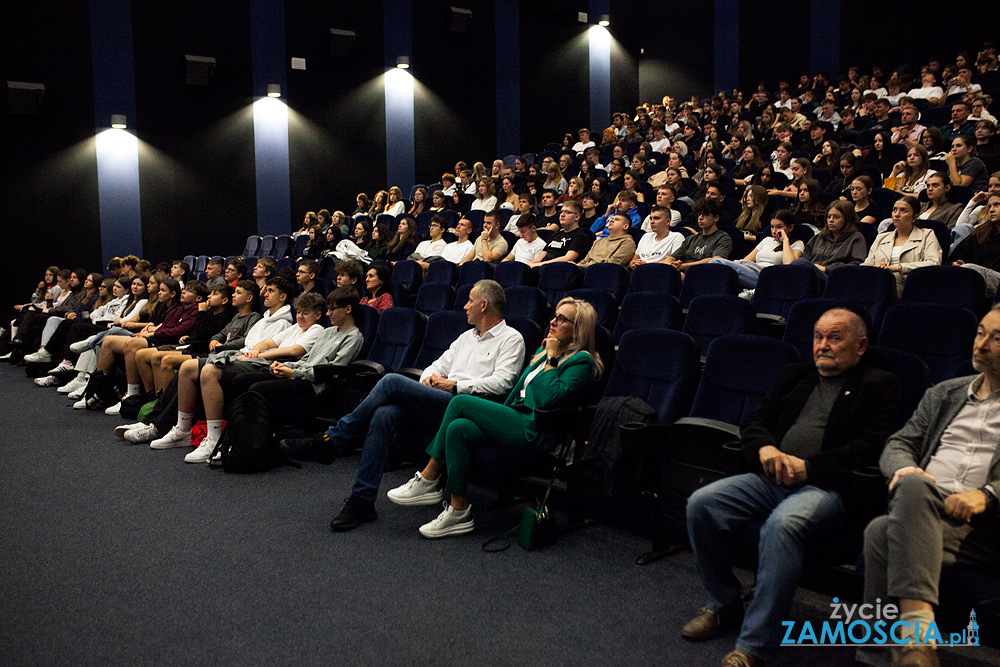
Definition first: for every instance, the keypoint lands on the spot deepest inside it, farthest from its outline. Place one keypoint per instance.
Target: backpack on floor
(101, 387)
(247, 443)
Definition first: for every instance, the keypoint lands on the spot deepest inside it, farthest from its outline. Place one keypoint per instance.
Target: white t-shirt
(670, 129)
(527, 252)
(456, 251)
(768, 256)
(675, 218)
(487, 204)
(579, 146)
(512, 224)
(430, 248)
(650, 250)
(926, 93)
(396, 209)
(294, 335)
(661, 146)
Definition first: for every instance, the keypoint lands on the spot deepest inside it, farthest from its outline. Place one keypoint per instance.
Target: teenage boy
(213, 273)
(276, 318)
(305, 276)
(529, 246)
(264, 270)
(617, 248)
(178, 270)
(292, 342)
(525, 205)
(236, 270)
(456, 251)
(711, 242)
(490, 246)
(549, 217)
(627, 204)
(431, 248)
(214, 313)
(348, 273)
(658, 243)
(571, 242)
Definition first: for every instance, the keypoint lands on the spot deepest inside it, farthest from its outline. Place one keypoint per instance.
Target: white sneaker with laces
(417, 491)
(174, 438)
(47, 381)
(203, 452)
(114, 409)
(38, 357)
(120, 430)
(79, 346)
(143, 433)
(449, 522)
(77, 393)
(85, 403)
(63, 367)
(73, 385)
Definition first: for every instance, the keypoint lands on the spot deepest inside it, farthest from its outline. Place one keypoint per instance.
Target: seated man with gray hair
(486, 359)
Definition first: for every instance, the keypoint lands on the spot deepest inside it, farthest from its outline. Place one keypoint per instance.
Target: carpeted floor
(114, 554)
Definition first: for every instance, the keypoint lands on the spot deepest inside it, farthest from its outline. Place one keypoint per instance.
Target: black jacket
(865, 414)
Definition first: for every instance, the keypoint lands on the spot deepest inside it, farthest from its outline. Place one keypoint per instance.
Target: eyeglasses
(562, 319)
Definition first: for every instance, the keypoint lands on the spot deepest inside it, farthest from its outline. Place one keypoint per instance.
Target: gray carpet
(115, 554)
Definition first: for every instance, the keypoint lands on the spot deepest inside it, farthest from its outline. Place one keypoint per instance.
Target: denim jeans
(748, 272)
(717, 516)
(396, 403)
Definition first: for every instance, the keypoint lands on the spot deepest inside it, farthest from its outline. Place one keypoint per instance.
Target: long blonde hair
(749, 219)
(584, 335)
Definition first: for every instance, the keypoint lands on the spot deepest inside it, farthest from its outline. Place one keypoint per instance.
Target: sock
(184, 421)
(65, 362)
(924, 617)
(214, 429)
(133, 390)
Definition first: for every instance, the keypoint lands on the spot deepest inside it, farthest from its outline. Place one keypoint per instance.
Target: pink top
(383, 301)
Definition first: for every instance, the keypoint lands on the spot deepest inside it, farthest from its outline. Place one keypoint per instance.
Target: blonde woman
(561, 372)
(485, 199)
(554, 179)
(396, 205)
(754, 200)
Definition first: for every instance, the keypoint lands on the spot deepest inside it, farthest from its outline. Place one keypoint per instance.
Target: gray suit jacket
(916, 442)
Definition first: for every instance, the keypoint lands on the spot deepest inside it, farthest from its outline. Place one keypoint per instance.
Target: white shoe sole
(455, 529)
(120, 430)
(432, 498)
(156, 444)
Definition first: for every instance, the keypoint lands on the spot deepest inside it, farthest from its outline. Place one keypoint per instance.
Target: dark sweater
(179, 321)
(206, 325)
(971, 251)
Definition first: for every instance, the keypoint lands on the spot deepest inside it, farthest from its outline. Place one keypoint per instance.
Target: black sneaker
(317, 448)
(356, 511)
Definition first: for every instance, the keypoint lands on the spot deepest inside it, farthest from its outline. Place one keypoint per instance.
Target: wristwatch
(991, 500)
(552, 361)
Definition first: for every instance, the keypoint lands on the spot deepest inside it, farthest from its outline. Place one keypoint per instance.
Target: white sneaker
(40, 356)
(417, 491)
(80, 346)
(114, 409)
(449, 522)
(120, 430)
(203, 452)
(84, 403)
(73, 385)
(47, 381)
(77, 393)
(174, 438)
(63, 367)
(5, 357)
(143, 433)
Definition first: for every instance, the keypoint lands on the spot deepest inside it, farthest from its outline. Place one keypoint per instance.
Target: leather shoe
(317, 448)
(708, 624)
(738, 658)
(917, 656)
(356, 512)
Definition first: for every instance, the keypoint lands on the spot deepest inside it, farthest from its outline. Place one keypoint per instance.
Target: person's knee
(699, 503)
(913, 485)
(876, 536)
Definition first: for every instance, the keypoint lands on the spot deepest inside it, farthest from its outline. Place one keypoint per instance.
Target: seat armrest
(410, 372)
(363, 366)
(325, 373)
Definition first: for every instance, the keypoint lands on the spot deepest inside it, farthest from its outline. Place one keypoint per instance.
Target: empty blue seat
(434, 297)
(559, 278)
(443, 327)
(708, 279)
(366, 319)
(914, 376)
(608, 277)
(941, 335)
(712, 315)
(407, 277)
(250, 248)
(655, 278)
(527, 303)
(267, 244)
(603, 302)
(441, 271)
(462, 296)
(530, 331)
(647, 310)
(283, 244)
(867, 286)
(780, 287)
(949, 285)
(301, 241)
(512, 273)
(472, 272)
(398, 338)
(658, 366)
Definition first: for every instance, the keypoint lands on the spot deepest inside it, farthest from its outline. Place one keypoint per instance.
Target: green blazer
(567, 383)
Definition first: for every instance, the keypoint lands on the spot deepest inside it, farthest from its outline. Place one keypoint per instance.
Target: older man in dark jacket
(818, 423)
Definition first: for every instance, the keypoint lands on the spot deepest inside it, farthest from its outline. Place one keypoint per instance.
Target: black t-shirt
(562, 242)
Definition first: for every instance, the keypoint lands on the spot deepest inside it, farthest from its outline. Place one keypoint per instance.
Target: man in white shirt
(584, 142)
(484, 360)
(827, 113)
(530, 245)
(435, 245)
(659, 243)
(456, 251)
(928, 89)
(664, 198)
(468, 185)
(660, 143)
(448, 184)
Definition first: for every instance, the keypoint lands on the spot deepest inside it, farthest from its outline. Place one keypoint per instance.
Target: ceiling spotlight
(274, 90)
(403, 62)
(604, 21)
(118, 121)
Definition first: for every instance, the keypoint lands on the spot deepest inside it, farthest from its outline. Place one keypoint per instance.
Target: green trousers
(471, 422)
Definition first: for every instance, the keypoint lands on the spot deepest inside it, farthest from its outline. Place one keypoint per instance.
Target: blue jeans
(717, 516)
(748, 272)
(396, 403)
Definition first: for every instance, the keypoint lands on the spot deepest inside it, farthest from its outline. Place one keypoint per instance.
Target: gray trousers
(905, 549)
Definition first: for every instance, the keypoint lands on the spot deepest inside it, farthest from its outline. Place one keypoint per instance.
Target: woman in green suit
(561, 372)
